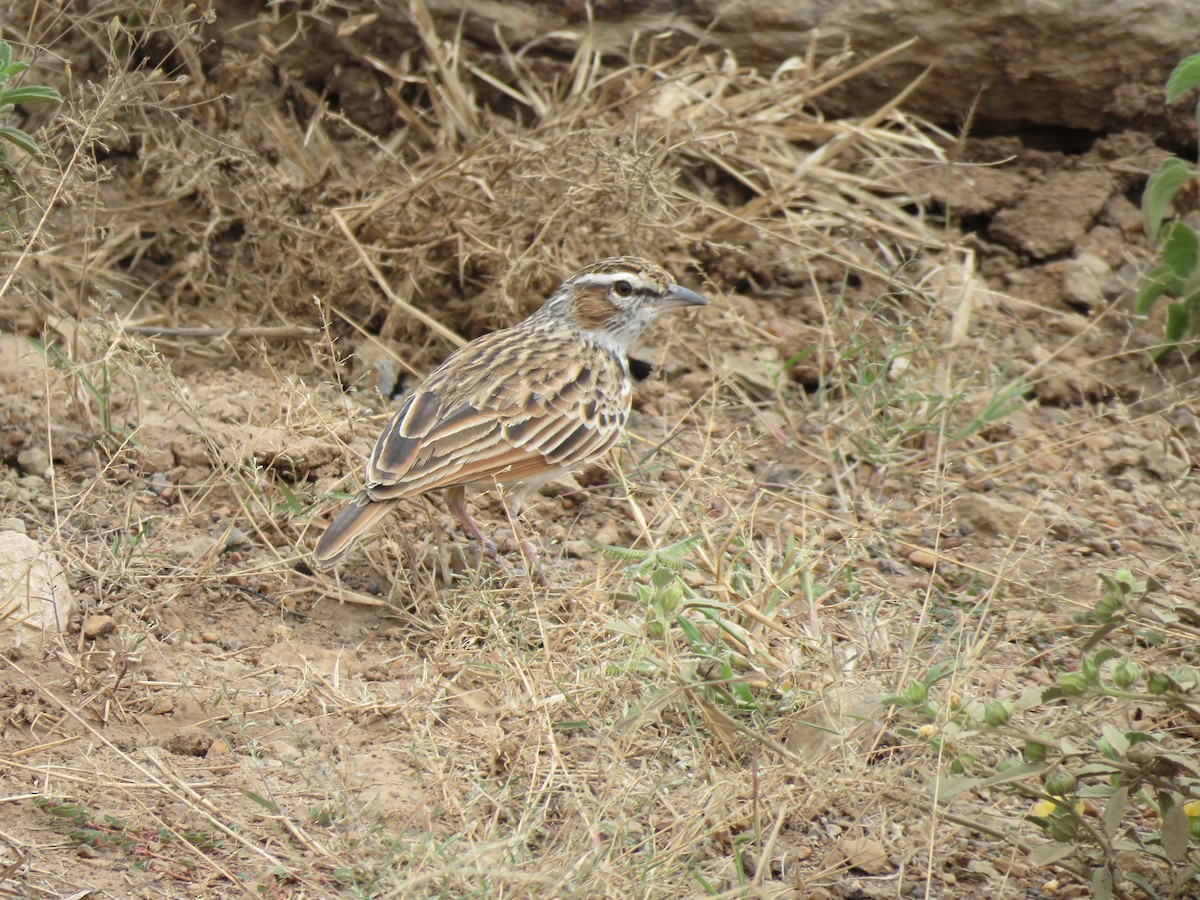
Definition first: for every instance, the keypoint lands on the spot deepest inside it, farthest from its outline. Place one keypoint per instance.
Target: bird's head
(613, 301)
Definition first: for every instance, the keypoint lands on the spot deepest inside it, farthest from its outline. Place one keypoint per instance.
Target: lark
(517, 407)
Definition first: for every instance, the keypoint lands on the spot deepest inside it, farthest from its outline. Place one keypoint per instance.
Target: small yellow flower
(1045, 808)
(1192, 808)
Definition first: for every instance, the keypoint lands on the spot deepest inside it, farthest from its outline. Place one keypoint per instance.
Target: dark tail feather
(351, 524)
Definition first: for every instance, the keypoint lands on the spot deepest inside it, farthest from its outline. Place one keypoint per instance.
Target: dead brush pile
(207, 181)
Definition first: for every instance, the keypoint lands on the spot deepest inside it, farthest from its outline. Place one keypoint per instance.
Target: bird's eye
(623, 287)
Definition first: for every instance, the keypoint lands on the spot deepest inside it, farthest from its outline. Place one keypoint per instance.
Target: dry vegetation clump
(799, 626)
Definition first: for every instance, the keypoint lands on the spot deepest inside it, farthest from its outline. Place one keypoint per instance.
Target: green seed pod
(1063, 828)
(915, 693)
(1035, 751)
(1060, 783)
(1158, 683)
(1008, 762)
(669, 597)
(1126, 673)
(1107, 607)
(997, 712)
(1072, 684)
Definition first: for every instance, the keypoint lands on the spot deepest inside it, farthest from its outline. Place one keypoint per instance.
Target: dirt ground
(913, 428)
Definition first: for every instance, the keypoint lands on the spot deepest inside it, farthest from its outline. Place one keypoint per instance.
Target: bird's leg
(533, 561)
(456, 501)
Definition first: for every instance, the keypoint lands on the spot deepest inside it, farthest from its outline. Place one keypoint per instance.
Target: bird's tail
(351, 524)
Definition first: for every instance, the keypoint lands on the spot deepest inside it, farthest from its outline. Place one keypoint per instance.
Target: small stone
(98, 626)
(1072, 324)
(34, 461)
(35, 598)
(281, 750)
(864, 854)
(196, 547)
(1165, 465)
(1121, 213)
(1084, 280)
(13, 524)
(164, 707)
(922, 558)
(210, 637)
(992, 515)
(1124, 284)
(160, 486)
(218, 749)
(189, 742)
(608, 535)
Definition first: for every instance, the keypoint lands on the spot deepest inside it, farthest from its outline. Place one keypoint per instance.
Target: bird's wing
(502, 431)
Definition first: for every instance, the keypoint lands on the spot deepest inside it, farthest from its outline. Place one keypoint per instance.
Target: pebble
(923, 559)
(160, 486)
(1084, 280)
(608, 535)
(1164, 464)
(218, 748)
(33, 461)
(189, 742)
(236, 540)
(12, 523)
(866, 855)
(996, 516)
(98, 626)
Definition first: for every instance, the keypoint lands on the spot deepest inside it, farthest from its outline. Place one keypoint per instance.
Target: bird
(518, 407)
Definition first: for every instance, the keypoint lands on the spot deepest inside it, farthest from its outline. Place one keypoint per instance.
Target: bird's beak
(680, 296)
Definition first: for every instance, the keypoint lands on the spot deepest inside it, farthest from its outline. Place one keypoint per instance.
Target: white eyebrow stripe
(608, 280)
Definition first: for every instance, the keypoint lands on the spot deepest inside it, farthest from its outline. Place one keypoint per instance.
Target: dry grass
(211, 240)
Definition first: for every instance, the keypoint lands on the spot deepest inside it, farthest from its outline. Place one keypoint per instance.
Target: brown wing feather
(492, 412)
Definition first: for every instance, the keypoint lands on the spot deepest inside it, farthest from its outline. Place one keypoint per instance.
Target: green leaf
(1160, 190)
(949, 788)
(692, 633)
(32, 94)
(937, 673)
(290, 499)
(262, 801)
(1117, 738)
(1022, 772)
(1175, 833)
(1045, 854)
(10, 69)
(1185, 77)
(1102, 883)
(21, 139)
(1141, 882)
(1181, 250)
(1177, 322)
(1115, 811)
(5, 55)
